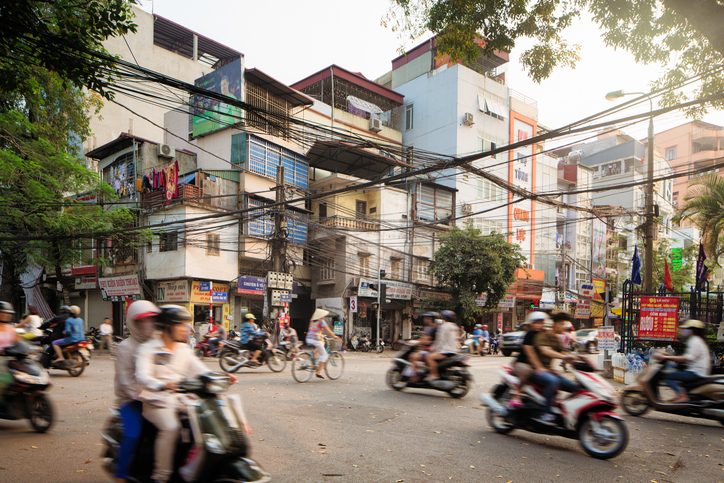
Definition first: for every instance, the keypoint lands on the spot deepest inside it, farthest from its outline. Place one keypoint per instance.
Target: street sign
(219, 297)
(285, 298)
(204, 286)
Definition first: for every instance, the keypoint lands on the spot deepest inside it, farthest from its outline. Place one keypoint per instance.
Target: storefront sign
(427, 294)
(251, 285)
(85, 282)
(204, 286)
(395, 290)
(508, 302)
(174, 291)
(583, 309)
(116, 288)
(338, 327)
(658, 319)
(199, 296)
(598, 307)
(606, 341)
(220, 297)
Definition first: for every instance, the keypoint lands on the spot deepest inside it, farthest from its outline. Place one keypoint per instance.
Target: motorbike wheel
(506, 353)
(380, 348)
(394, 379)
(364, 348)
(634, 402)
(461, 384)
(302, 367)
(610, 442)
(277, 361)
(229, 360)
(497, 421)
(80, 364)
(334, 366)
(41, 413)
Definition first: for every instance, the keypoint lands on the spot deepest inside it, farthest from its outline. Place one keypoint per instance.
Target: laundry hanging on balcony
(171, 178)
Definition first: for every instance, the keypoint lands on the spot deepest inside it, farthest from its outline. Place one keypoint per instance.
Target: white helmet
(536, 316)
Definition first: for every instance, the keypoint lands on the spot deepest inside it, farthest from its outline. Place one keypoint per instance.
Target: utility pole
(649, 239)
(279, 246)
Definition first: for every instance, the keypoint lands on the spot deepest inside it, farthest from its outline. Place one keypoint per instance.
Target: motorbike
(706, 395)
(354, 342)
(493, 348)
(287, 348)
(203, 348)
(454, 376)
(77, 357)
(379, 345)
(93, 336)
(586, 415)
(24, 394)
(214, 445)
(364, 344)
(234, 355)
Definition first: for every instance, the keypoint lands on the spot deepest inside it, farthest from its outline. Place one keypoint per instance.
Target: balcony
(186, 192)
(349, 223)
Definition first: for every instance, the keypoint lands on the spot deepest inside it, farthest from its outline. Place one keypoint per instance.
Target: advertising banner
(116, 288)
(395, 290)
(86, 282)
(174, 291)
(507, 302)
(583, 310)
(598, 307)
(204, 297)
(606, 339)
(209, 114)
(251, 285)
(658, 320)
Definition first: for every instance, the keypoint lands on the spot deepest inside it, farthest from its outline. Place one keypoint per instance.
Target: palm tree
(704, 206)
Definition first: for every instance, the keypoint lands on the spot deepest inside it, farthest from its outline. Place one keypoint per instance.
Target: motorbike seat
(702, 381)
(74, 346)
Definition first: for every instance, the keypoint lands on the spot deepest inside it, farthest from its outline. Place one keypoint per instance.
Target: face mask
(686, 332)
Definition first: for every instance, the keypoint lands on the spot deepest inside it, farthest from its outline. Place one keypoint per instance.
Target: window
(492, 105)
(489, 191)
(121, 175)
(488, 143)
(212, 245)
(487, 227)
(168, 242)
(421, 269)
(364, 266)
(395, 269)
(434, 203)
(261, 223)
(322, 211)
(409, 117)
(670, 153)
(326, 269)
(264, 158)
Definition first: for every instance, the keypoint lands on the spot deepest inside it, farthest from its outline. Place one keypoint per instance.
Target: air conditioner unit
(467, 208)
(469, 119)
(375, 125)
(166, 151)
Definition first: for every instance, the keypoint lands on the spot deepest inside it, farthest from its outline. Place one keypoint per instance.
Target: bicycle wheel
(302, 367)
(334, 366)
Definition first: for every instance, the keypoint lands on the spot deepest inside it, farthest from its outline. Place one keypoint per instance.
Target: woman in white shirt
(696, 357)
(31, 324)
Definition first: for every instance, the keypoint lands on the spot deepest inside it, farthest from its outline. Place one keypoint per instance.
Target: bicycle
(305, 364)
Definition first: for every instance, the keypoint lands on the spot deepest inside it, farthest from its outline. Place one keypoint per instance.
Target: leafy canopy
(468, 264)
(684, 36)
(704, 206)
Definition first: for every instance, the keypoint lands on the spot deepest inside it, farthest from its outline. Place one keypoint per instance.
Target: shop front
(499, 319)
(202, 298)
(395, 310)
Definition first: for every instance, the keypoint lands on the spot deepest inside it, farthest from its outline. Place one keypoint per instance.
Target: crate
(619, 375)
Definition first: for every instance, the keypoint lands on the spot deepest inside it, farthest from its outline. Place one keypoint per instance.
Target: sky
(290, 40)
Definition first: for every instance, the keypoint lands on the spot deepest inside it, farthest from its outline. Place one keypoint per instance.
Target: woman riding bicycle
(314, 337)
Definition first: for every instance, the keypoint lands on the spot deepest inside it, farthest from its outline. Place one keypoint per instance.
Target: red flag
(667, 277)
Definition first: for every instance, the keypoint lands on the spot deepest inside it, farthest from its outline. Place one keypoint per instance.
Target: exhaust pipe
(494, 405)
(714, 413)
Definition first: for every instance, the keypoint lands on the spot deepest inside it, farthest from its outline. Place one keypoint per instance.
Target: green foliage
(682, 38)
(468, 264)
(704, 206)
(61, 36)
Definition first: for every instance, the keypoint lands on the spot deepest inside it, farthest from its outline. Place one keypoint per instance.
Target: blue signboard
(219, 297)
(286, 298)
(251, 285)
(204, 286)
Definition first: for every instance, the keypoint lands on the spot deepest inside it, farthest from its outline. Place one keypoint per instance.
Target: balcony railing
(349, 223)
(156, 199)
(121, 255)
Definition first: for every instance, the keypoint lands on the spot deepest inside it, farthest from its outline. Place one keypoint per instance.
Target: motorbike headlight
(213, 444)
(217, 385)
(26, 378)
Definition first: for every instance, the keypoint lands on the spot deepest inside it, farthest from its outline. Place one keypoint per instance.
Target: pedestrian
(106, 331)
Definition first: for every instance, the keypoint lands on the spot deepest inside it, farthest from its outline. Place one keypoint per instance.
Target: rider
(8, 336)
(314, 337)
(161, 364)
(140, 320)
(31, 324)
(445, 345)
(696, 357)
(528, 360)
(288, 333)
(249, 330)
(485, 339)
(548, 347)
(216, 335)
(423, 342)
(478, 338)
(57, 323)
(74, 329)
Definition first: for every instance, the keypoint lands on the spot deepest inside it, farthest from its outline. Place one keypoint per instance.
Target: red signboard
(658, 319)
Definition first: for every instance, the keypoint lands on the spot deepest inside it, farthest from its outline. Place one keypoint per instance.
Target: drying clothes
(171, 182)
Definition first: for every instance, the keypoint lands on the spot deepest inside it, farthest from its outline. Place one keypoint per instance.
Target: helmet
(485, 327)
(173, 315)
(7, 308)
(65, 309)
(478, 326)
(141, 309)
(448, 314)
(693, 324)
(428, 314)
(74, 310)
(536, 316)
(249, 316)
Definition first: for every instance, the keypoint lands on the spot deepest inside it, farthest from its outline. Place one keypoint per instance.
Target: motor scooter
(76, 357)
(214, 445)
(586, 415)
(233, 355)
(25, 384)
(706, 395)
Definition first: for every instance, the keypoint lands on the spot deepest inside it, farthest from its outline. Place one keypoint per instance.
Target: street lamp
(649, 229)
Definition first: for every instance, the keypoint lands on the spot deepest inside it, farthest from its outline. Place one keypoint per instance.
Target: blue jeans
(551, 383)
(670, 379)
(132, 417)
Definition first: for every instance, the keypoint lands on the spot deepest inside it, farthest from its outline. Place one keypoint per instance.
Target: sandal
(319, 376)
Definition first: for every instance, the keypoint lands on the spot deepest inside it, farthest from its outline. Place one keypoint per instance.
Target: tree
(704, 206)
(62, 36)
(685, 36)
(468, 264)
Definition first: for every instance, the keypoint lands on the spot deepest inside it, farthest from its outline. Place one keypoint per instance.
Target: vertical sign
(658, 318)
(353, 304)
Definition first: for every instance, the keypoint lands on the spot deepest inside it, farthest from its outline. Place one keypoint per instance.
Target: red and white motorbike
(586, 415)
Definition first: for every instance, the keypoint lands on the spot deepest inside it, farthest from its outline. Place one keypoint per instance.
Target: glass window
(671, 153)
(212, 245)
(409, 117)
(434, 203)
(326, 269)
(168, 242)
(264, 158)
(364, 266)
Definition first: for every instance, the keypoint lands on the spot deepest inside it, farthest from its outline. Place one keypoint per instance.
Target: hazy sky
(291, 39)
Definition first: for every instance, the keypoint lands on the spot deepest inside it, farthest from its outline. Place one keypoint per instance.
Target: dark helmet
(432, 315)
(7, 307)
(448, 315)
(173, 315)
(65, 309)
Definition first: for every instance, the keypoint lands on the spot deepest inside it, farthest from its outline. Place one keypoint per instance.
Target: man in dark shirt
(527, 359)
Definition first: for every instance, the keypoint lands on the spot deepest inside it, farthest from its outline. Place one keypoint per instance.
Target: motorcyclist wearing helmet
(445, 345)
(249, 330)
(696, 357)
(57, 325)
(528, 360)
(424, 341)
(140, 320)
(73, 330)
(8, 335)
(162, 363)
(478, 338)
(287, 333)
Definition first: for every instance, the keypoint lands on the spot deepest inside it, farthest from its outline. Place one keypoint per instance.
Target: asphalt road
(356, 429)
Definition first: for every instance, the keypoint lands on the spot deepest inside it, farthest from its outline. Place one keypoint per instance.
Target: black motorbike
(493, 347)
(453, 370)
(24, 395)
(234, 355)
(214, 446)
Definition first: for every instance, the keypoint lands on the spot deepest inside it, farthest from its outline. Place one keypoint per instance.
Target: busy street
(358, 429)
